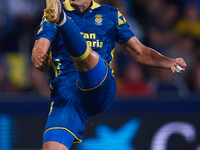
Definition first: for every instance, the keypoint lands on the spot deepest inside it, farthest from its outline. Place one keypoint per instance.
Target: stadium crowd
(172, 27)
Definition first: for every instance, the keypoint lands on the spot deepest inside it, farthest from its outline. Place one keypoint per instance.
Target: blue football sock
(73, 40)
(94, 77)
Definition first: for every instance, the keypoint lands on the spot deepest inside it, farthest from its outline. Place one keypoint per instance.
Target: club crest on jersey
(98, 20)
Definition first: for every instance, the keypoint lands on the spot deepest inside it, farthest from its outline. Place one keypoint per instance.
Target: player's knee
(88, 63)
(93, 77)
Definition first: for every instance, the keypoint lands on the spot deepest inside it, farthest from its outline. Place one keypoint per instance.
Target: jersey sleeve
(46, 30)
(123, 33)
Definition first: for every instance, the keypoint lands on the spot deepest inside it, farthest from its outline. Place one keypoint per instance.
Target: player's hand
(178, 62)
(43, 62)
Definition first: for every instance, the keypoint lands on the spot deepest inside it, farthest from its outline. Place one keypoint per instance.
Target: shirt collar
(70, 8)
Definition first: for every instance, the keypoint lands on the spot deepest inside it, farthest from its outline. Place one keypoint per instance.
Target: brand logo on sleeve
(41, 28)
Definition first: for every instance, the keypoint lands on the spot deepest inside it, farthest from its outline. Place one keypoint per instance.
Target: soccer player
(82, 36)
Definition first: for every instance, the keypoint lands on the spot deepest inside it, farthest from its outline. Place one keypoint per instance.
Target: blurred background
(152, 105)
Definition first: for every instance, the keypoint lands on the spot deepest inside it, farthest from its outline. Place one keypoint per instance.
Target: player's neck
(84, 8)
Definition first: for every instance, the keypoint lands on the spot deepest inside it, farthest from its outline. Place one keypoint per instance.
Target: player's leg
(89, 64)
(84, 58)
(57, 139)
(51, 145)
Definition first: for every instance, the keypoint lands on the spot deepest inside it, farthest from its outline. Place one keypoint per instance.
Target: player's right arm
(44, 37)
(40, 58)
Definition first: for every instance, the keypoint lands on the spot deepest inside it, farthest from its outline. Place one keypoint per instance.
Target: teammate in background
(82, 81)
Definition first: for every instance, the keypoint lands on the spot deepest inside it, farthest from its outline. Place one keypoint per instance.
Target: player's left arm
(150, 57)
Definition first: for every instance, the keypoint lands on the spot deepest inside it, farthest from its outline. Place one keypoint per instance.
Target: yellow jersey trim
(70, 8)
(43, 20)
(62, 128)
(53, 66)
(82, 57)
(95, 5)
(51, 86)
(98, 84)
(51, 108)
(112, 54)
(121, 19)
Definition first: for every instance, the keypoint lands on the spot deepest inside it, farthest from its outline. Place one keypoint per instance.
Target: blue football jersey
(102, 26)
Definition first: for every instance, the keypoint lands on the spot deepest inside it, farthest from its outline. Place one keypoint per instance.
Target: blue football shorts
(72, 106)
